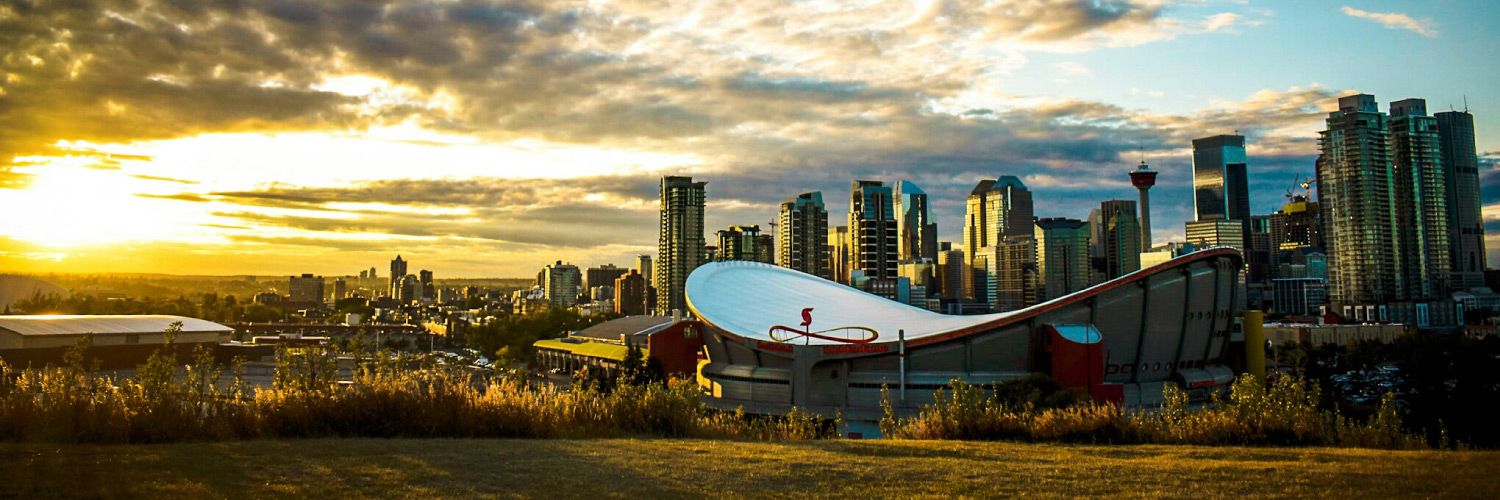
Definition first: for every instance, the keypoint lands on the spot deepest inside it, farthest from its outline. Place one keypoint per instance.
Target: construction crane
(1303, 182)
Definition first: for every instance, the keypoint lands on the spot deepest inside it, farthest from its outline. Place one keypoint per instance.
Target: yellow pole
(1255, 343)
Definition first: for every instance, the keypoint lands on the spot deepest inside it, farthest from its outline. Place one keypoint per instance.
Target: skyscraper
(1119, 239)
(340, 289)
(643, 266)
(802, 235)
(680, 248)
(1006, 273)
(1062, 247)
(1421, 201)
(1220, 187)
(429, 291)
(952, 274)
(1461, 178)
(1143, 178)
(916, 235)
(996, 209)
(561, 284)
(872, 230)
(838, 253)
(398, 272)
(1354, 185)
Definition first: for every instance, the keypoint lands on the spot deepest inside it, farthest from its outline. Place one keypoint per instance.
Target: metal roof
(629, 325)
(102, 324)
(750, 299)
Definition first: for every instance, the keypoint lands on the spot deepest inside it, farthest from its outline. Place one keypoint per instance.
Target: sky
(487, 139)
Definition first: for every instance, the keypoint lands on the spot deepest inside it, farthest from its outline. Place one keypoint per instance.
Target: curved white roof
(748, 298)
(103, 324)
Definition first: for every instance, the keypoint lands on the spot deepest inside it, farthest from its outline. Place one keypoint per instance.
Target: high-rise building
(872, 230)
(630, 294)
(1354, 186)
(839, 250)
(915, 233)
(561, 284)
(398, 272)
(802, 235)
(996, 209)
(1062, 247)
(1117, 238)
(1143, 178)
(681, 247)
(306, 288)
(1216, 233)
(340, 289)
(429, 290)
(1421, 200)
(408, 289)
(1258, 249)
(745, 243)
(953, 272)
(1460, 161)
(1220, 187)
(1008, 273)
(643, 266)
(604, 275)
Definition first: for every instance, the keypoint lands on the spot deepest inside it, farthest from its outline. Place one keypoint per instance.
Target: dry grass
(1283, 413)
(682, 468)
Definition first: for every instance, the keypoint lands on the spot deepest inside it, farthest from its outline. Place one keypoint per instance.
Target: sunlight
(68, 203)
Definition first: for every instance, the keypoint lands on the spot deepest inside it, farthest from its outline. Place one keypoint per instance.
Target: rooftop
(629, 325)
(102, 324)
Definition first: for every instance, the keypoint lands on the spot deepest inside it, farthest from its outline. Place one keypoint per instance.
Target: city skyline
(322, 146)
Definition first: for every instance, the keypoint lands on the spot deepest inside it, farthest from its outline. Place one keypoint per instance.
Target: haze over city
(486, 139)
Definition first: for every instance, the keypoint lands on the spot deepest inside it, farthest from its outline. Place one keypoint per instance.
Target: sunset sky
(486, 139)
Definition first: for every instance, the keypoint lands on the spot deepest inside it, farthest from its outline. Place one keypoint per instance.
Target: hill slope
(661, 467)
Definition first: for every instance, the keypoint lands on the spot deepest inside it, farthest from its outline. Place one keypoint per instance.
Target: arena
(777, 339)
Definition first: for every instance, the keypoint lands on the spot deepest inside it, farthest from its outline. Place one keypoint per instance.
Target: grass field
(663, 467)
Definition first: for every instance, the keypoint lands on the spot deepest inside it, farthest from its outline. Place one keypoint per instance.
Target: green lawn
(662, 467)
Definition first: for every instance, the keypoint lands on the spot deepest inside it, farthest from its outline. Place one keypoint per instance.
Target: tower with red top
(1143, 178)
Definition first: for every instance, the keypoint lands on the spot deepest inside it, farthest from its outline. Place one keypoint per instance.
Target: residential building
(1354, 187)
(1460, 161)
(630, 294)
(306, 289)
(745, 243)
(561, 284)
(802, 235)
(604, 275)
(681, 245)
(872, 229)
(1420, 196)
(1062, 248)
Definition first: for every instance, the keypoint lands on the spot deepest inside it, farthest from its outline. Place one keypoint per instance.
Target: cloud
(1396, 20)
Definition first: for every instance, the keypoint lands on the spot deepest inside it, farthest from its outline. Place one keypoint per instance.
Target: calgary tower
(1143, 178)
